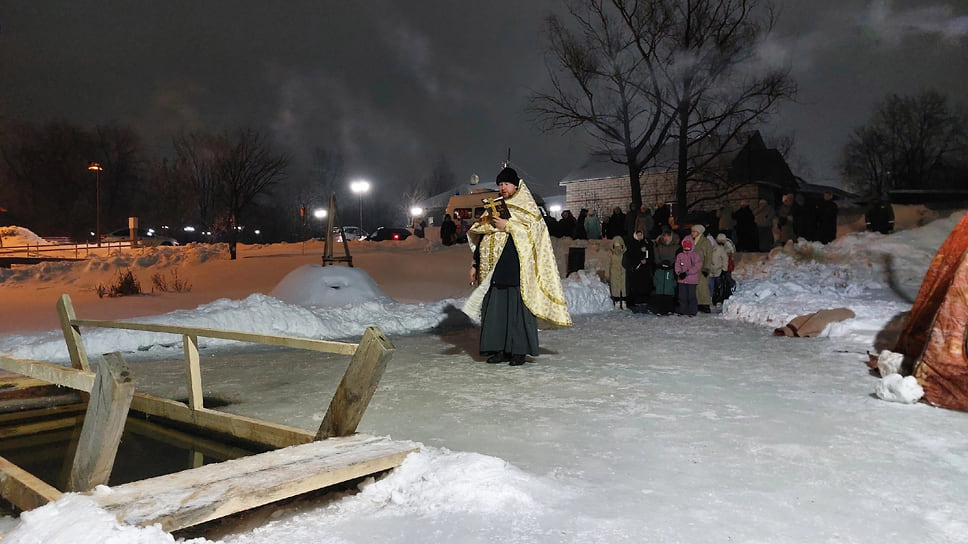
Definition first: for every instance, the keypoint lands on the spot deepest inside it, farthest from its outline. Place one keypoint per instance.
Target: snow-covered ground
(627, 428)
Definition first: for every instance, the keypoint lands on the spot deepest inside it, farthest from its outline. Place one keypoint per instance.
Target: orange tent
(934, 333)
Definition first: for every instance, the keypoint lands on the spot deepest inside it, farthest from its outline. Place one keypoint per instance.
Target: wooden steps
(217, 490)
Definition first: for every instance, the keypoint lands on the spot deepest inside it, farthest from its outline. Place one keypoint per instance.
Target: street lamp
(360, 187)
(96, 168)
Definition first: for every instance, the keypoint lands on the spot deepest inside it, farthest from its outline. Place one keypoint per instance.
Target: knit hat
(687, 243)
(508, 175)
(721, 237)
(699, 228)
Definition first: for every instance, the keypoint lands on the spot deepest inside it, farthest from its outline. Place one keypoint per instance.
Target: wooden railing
(112, 391)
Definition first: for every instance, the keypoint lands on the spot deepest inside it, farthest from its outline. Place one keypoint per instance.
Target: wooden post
(72, 333)
(193, 371)
(328, 257)
(103, 424)
(357, 386)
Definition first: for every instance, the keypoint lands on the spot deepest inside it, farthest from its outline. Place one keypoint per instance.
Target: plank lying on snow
(197, 495)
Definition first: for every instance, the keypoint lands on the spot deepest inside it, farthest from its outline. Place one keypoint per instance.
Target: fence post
(103, 424)
(72, 333)
(358, 385)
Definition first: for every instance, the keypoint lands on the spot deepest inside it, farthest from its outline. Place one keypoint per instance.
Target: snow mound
(329, 286)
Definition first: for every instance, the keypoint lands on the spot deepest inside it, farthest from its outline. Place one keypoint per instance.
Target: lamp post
(360, 187)
(96, 168)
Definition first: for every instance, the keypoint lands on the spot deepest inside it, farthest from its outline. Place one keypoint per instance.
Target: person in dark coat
(448, 231)
(616, 224)
(580, 233)
(660, 219)
(639, 268)
(880, 216)
(630, 219)
(566, 225)
(827, 219)
(746, 235)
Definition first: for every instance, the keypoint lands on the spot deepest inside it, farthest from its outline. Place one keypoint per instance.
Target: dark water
(147, 449)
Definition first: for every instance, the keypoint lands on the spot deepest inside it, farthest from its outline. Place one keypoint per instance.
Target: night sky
(394, 85)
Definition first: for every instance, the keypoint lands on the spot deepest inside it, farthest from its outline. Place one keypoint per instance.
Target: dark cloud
(394, 85)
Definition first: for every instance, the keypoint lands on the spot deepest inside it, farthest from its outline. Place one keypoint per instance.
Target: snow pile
(897, 388)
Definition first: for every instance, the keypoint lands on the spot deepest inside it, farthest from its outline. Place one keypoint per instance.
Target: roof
(440, 200)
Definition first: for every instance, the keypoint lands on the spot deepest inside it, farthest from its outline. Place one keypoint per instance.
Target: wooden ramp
(213, 491)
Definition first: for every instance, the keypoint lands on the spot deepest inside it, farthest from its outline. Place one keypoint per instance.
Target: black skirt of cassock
(507, 324)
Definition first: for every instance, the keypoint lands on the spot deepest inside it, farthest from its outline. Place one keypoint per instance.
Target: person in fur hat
(516, 274)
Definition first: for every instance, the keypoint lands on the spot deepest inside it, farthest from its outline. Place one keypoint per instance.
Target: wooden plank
(42, 426)
(341, 348)
(357, 386)
(23, 489)
(194, 496)
(82, 380)
(246, 428)
(197, 444)
(51, 412)
(103, 424)
(193, 370)
(72, 334)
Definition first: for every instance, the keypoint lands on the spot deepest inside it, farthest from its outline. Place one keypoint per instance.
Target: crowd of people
(655, 265)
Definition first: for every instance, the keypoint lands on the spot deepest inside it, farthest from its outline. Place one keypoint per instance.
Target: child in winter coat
(688, 265)
(616, 273)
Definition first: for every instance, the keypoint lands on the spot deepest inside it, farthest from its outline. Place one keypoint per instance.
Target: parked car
(352, 233)
(146, 237)
(389, 233)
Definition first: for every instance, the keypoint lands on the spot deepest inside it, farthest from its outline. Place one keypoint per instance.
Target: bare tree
(605, 81)
(229, 173)
(719, 89)
(642, 73)
(910, 142)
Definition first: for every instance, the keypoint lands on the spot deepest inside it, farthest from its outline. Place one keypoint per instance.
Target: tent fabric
(935, 329)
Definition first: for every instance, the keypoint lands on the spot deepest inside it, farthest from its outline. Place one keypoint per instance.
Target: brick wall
(603, 195)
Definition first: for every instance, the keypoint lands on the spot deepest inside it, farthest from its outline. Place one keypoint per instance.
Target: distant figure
(638, 270)
(419, 227)
(663, 299)
(643, 221)
(704, 249)
(880, 216)
(660, 218)
(827, 219)
(727, 284)
(448, 231)
(617, 279)
(746, 235)
(552, 224)
(580, 233)
(687, 268)
(615, 226)
(566, 225)
(593, 227)
(718, 269)
(783, 221)
(726, 222)
(630, 219)
(763, 215)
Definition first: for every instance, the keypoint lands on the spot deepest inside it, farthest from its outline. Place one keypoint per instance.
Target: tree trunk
(682, 171)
